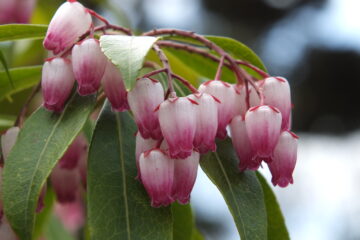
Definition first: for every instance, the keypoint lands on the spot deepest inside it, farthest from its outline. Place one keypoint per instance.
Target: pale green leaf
(9, 32)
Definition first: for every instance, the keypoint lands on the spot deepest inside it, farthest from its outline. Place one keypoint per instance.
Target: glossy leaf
(41, 142)
(22, 78)
(11, 32)
(238, 50)
(241, 191)
(127, 53)
(276, 222)
(118, 206)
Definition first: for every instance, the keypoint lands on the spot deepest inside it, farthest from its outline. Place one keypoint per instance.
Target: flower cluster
(80, 61)
(172, 131)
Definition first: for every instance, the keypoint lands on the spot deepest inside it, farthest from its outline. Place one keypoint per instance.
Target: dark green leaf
(4, 63)
(22, 78)
(238, 50)
(241, 191)
(41, 142)
(118, 206)
(127, 53)
(11, 32)
(276, 222)
(184, 223)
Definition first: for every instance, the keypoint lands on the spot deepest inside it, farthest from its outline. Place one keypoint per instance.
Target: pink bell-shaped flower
(177, 118)
(70, 21)
(143, 100)
(66, 183)
(74, 153)
(157, 175)
(8, 140)
(16, 11)
(57, 83)
(284, 160)
(206, 122)
(263, 124)
(227, 95)
(88, 65)
(72, 215)
(242, 145)
(185, 171)
(142, 145)
(6, 232)
(114, 88)
(276, 92)
(241, 105)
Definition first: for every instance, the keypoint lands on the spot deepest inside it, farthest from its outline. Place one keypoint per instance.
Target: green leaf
(6, 121)
(276, 222)
(11, 32)
(127, 53)
(238, 50)
(4, 63)
(56, 231)
(241, 191)
(184, 223)
(41, 142)
(22, 78)
(118, 206)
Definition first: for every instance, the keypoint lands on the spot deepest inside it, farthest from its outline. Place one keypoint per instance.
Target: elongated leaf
(41, 142)
(118, 205)
(11, 32)
(238, 50)
(276, 222)
(127, 53)
(241, 191)
(184, 223)
(4, 63)
(22, 78)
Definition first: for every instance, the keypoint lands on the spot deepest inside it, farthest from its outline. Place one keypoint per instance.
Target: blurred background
(315, 44)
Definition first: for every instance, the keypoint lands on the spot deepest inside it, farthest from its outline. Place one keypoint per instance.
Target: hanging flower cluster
(172, 131)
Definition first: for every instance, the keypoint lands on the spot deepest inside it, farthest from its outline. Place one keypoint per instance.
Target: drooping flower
(177, 118)
(276, 92)
(143, 100)
(241, 101)
(242, 145)
(185, 172)
(284, 160)
(16, 11)
(88, 65)
(66, 183)
(8, 140)
(57, 82)
(74, 153)
(227, 95)
(142, 145)
(70, 21)
(263, 124)
(157, 175)
(114, 88)
(206, 122)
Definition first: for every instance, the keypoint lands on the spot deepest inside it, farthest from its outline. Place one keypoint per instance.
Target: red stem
(218, 72)
(98, 16)
(154, 72)
(186, 83)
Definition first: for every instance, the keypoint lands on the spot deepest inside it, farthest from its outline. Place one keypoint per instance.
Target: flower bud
(157, 175)
(242, 145)
(74, 153)
(143, 100)
(72, 215)
(88, 65)
(206, 122)
(142, 145)
(66, 183)
(70, 21)
(185, 171)
(6, 232)
(263, 124)
(114, 88)
(284, 160)
(177, 118)
(276, 92)
(57, 83)
(16, 11)
(226, 109)
(8, 140)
